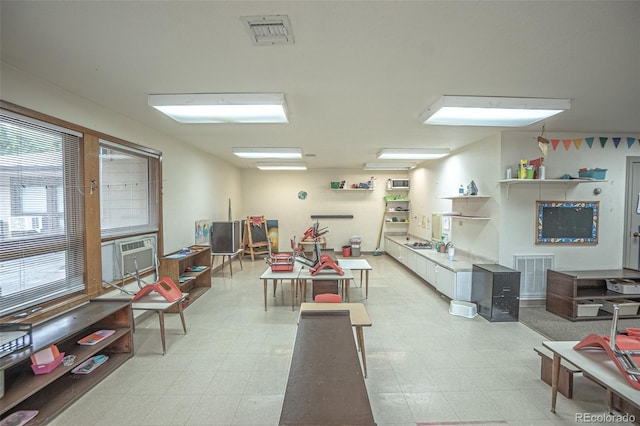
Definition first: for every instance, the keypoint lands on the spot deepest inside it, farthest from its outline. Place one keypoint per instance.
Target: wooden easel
(256, 236)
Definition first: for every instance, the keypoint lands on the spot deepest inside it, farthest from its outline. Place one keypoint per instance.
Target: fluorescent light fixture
(491, 111)
(283, 153)
(412, 153)
(281, 166)
(389, 166)
(222, 107)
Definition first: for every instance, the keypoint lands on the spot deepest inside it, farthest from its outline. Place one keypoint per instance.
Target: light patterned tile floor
(425, 366)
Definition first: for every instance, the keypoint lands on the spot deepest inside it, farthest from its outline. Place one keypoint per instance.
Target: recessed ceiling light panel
(412, 153)
(389, 166)
(281, 166)
(491, 111)
(281, 153)
(222, 107)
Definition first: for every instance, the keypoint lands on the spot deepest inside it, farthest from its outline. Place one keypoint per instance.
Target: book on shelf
(184, 278)
(196, 268)
(96, 337)
(91, 364)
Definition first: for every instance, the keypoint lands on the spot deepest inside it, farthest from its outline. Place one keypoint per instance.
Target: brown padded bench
(325, 385)
(567, 370)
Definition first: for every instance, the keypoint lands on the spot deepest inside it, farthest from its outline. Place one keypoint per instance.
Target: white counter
(450, 277)
(461, 261)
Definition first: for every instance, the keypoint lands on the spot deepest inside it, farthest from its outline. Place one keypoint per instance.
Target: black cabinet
(225, 237)
(495, 289)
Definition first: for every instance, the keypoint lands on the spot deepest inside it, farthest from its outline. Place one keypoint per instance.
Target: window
(41, 213)
(128, 190)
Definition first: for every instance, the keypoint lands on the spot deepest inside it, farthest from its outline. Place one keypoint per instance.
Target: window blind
(41, 213)
(128, 190)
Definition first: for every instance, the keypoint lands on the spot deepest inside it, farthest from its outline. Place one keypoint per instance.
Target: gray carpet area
(554, 327)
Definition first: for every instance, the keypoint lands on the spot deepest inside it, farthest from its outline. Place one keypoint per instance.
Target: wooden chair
(256, 236)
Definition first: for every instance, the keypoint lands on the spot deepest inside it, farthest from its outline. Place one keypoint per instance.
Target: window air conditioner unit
(136, 256)
(25, 224)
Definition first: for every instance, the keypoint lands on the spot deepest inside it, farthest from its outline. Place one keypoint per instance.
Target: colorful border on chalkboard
(593, 239)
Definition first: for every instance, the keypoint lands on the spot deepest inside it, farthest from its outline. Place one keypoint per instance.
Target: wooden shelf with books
(190, 270)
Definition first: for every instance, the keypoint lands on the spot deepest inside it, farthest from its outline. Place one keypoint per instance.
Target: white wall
(517, 212)
(196, 185)
(479, 162)
(275, 195)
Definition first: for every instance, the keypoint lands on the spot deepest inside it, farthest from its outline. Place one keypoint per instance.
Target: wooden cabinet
(178, 266)
(566, 289)
(51, 393)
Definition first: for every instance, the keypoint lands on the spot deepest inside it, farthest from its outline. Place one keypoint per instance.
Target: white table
(358, 265)
(357, 314)
(326, 274)
(230, 258)
(151, 302)
(594, 363)
(281, 275)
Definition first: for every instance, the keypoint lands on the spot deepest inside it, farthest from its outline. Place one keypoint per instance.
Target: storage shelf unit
(402, 215)
(174, 267)
(53, 392)
(565, 289)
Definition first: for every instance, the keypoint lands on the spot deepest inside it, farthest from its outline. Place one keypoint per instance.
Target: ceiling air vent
(268, 30)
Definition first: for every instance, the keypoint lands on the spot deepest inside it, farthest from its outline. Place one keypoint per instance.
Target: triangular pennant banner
(603, 141)
(589, 142)
(616, 142)
(554, 143)
(566, 143)
(577, 143)
(630, 142)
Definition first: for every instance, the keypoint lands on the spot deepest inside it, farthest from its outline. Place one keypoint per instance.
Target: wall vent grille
(268, 30)
(533, 274)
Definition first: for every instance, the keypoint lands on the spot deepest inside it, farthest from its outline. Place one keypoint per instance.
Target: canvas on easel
(256, 236)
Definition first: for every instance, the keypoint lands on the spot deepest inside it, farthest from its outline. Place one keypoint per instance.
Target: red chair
(327, 298)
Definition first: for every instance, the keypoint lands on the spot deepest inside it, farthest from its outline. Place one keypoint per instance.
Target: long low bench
(325, 385)
(567, 370)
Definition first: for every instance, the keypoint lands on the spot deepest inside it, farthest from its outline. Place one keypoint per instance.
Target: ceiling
(356, 79)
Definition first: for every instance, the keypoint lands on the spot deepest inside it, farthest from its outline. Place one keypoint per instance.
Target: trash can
(355, 246)
(346, 251)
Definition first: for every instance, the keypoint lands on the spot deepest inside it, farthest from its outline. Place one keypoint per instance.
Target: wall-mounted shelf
(545, 182)
(466, 197)
(351, 189)
(469, 217)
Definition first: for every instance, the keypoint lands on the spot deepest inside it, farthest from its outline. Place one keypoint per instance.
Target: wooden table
(358, 265)
(595, 364)
(230, 259)
(325, 384)
(275, 276)
(327, 274)
(358, 316)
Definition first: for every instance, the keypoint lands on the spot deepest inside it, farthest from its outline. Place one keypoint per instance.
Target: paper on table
(44, 356)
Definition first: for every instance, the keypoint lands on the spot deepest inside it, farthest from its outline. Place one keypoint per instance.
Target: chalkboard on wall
(567, 222)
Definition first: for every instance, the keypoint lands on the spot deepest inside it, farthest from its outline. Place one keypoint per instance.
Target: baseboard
(527, 303)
